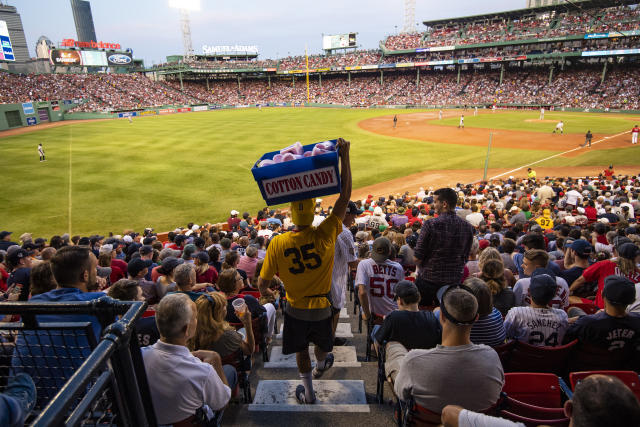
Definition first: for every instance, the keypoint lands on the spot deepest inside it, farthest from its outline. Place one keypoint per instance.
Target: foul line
(70, 175)
(606, 138)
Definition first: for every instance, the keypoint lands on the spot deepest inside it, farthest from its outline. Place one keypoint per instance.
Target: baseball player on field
(303, 259)
(461, 125)
(539, 324)
(440, 115)
(587, 139)
(559, 127)
(634, 134)
(542, 113)
(41, 153)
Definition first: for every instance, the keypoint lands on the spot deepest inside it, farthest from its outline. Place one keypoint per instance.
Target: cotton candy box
(296, 152)
(266, 162)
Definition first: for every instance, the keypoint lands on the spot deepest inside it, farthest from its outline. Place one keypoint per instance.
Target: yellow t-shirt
(304, 262)
(532, 174)
(545, 222)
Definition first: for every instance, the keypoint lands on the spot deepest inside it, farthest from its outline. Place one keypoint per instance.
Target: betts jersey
(304, 262)
(536, 326)
(380, 282)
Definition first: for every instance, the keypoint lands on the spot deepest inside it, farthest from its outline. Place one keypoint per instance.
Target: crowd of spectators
(537, 25)
(524, 248)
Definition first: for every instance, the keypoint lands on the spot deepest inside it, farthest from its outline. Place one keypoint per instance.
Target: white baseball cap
(234, 212)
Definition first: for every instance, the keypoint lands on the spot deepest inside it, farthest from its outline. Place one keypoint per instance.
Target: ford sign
(119, 59)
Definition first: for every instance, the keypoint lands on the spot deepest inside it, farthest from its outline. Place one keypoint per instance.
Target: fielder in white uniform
(461, 125)
(539, 324)
(559, 127)
(41, 153)
(440, 115)
(475, 111)
(542, 113)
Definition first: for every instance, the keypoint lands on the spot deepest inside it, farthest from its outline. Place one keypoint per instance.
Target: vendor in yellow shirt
(531, 174)
(545, 221)
(303, 259)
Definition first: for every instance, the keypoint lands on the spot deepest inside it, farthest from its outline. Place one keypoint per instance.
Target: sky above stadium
(279, 28)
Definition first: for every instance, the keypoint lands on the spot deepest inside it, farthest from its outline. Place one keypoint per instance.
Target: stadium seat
(585, 357)
(528, 358)
(544, 416)
(374, 319)
(629, 378)
(255, 294)
(504, 351)
(537, 389)
(242, 364)
(259, 326)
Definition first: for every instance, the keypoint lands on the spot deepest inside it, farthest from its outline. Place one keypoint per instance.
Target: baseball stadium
(441, 229)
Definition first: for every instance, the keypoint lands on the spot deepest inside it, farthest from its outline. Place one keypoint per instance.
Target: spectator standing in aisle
(443, 247)
(303, 259)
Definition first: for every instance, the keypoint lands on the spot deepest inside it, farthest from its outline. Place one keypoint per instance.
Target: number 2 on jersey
(305, 253)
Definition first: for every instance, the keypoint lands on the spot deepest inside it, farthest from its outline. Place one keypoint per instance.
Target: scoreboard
(339, 41)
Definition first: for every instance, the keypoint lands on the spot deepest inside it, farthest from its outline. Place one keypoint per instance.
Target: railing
(79, 380)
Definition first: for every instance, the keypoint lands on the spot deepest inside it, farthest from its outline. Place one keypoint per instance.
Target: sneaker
(301, 397)
(339, 341)
(328, 363)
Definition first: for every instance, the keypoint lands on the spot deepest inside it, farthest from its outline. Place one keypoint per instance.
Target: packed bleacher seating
(558, 250)
(529, 27)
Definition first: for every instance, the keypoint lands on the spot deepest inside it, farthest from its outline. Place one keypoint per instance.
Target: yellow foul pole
(306, 57)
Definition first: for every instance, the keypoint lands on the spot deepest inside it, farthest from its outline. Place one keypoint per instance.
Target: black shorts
(297, 334)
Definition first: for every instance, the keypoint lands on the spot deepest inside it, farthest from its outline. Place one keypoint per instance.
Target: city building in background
(83, 19)
(11, 17)
(43, 46)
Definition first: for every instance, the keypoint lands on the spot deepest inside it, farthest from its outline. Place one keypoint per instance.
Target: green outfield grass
(165, 171)
(573, 122)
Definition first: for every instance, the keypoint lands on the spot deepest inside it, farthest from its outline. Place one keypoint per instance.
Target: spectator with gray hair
(185, 277)
(181, 381)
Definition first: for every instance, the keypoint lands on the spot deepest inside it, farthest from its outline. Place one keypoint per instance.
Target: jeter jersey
(380, 282)
(304, 262)
(536, 326)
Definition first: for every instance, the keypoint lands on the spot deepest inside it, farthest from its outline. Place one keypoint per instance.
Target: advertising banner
(596, 36)
(148, 113)
(6, 49)
(386, 66)
(167, 111)
(31, 121)
(93, 58)
(128, 114)
(611, 52)
(184, 110)
(369, 67)
(200, 108)
(65, 57)
(27, 108)
(405, 64)
(119, 59)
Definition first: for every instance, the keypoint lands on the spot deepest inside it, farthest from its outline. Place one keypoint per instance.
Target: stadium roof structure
(586, 4)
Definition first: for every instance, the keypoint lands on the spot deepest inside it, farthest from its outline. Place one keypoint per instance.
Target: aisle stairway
(346, 393)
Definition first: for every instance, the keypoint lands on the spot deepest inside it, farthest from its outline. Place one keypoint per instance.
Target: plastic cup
(239, 306)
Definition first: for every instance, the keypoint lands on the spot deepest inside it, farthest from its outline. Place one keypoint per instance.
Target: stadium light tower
(185, 6)
(409, 16)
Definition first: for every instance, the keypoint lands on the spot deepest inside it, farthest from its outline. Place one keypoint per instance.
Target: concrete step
(343, 313)
(331, 396)
(343, 330)
(345, 357)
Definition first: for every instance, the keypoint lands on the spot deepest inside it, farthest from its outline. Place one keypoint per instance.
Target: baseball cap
(84, 241)
(15, 255)
(30, 246)
(4, 234)
(513, 209)
(136, 265)
(619, 290)
(378, 211)
(40, 241)
(189, 250)
(401, 210)
(234, 212)
(628, 250)
(169, 263)
(127, 239)
(461, 306)
(483, 244)
(581, 247)
(406, 289)
(146, 250)
(203, 257)
(542, 288)
(167, 252)
(106, 249)
(352, 209)
(536, 228)
(381, 250)
(361, 236)
(302, 212)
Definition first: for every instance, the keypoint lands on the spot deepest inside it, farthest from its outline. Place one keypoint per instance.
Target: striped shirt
(537, 326)
(343, 255)
(489, 329)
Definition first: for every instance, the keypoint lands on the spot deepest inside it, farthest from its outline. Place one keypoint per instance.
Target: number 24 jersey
(380, 282)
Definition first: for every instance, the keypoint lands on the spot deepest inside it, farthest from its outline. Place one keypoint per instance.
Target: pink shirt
(248, 264)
